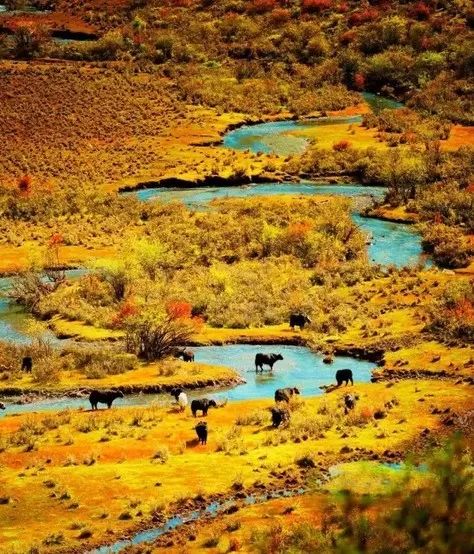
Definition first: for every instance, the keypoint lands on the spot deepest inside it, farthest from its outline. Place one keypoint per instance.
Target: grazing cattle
(279, 416)
(299, 320)
(104, 397)
(284, 395)
(344, 375)
(186, 354)
(201, 432)
(182, 401)
(27, 364)
(349, 403)
(266, 359)
(2, 406)
(176, 392)
(202, 405)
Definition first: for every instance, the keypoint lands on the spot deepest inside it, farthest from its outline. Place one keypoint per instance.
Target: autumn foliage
(341, 146)
(316, 6)
(127, 310)
(25, 185)
(179, 309)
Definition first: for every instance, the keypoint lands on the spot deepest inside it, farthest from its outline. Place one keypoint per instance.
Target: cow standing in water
(266, 359)
(344, 375)
(186, 355)
(104, 397)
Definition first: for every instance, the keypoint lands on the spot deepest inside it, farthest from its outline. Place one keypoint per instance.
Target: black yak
(201, 432)
(344, 375)
(186, 354)
(27, 364)
(104, 397)
(284, 395)
(203, 405)
(349, 403)
(299, 320)
(266, 359)
(279, 416)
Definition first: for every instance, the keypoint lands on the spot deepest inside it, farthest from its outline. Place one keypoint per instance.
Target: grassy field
(109, 471)
(124, 128)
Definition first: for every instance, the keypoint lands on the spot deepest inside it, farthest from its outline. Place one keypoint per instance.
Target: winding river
(390, 243)
(300, 367)
(272, 137)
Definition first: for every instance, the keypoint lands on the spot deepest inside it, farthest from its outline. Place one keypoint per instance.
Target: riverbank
(145, 461)
(154, 378)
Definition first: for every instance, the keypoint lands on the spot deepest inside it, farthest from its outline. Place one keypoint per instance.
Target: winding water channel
(390, 243)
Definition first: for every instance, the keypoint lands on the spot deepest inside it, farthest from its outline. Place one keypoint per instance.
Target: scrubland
(145, 101)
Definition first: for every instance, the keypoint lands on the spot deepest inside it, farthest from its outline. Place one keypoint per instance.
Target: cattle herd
(279, 413)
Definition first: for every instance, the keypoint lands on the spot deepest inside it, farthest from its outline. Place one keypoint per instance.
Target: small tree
(153, 336)
(27, 41)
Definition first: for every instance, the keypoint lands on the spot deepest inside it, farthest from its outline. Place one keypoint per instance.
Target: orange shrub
(359, 81)
(298, 231)
(56, 239)
(316, 6)
(24, 185)
(261, 6)
(347, 37)
(178, 309)
(127, 310)
(280, 16)
(464, 310)
(420, 11)
(341, 146)
(366, 413)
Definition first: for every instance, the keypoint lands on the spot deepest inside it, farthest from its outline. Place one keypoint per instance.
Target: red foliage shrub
(127, 310)
(178, 309)
(343, 7)
(316, 6)
(470, 188)
(280, 16)
(298, 231)
(425, 43)
(56, 239)
(341, 146)
(359, 81)
(363, 16)
(420, 11)
(24, 185)
(347, 37)
(181, 3)
(463, 310)
(261, 6)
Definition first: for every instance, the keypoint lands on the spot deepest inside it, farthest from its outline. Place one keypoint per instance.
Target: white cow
(182, 401)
